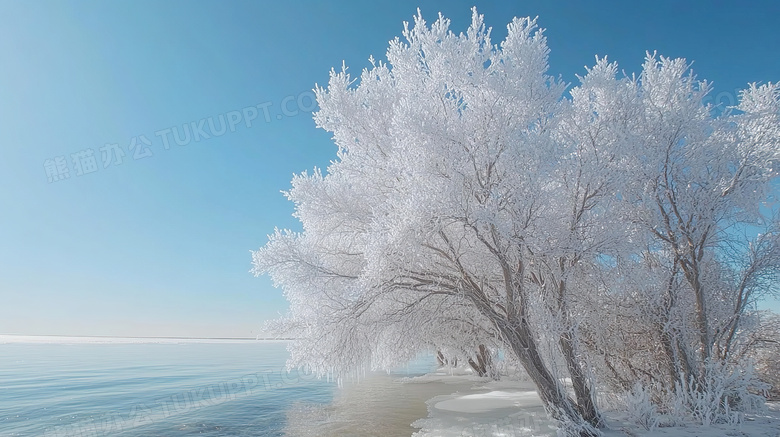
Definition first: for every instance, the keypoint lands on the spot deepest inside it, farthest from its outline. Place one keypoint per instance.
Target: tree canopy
(474, 201)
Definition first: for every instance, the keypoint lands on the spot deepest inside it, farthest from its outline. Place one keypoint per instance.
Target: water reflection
(379, 405)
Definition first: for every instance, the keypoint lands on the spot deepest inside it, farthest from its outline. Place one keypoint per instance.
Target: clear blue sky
(158, 244)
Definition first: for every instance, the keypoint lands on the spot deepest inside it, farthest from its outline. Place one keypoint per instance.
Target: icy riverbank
(488, 408)
(511, 408)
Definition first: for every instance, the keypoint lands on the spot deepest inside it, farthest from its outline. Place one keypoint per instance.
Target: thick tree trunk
(512, 324)
(556, 402)
(585, 405)
(579, 380)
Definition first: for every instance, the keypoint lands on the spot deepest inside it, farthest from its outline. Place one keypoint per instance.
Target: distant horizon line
(149, 337)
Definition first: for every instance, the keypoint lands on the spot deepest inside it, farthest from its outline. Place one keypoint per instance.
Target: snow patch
(495, 408)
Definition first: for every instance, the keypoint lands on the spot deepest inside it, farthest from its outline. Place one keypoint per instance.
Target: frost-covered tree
(690, 185)
(698, 176)
(763, 346)
(691, 181)
(418, 232)
(474, 206)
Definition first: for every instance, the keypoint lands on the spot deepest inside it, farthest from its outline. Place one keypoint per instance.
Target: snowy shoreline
(488, 408)
(512, 408)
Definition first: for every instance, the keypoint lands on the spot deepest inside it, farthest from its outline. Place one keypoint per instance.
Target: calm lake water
(207, 389)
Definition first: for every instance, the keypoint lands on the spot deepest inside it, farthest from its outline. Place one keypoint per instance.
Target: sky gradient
(179, 123)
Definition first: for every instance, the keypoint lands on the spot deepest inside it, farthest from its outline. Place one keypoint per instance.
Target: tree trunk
(585, 405)
(444, 361)
(484, 364)
(553, 395)
(671, 358)
(702, 324)
(579, 380)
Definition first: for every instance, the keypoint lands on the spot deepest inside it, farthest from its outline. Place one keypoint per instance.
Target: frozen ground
(513, 409)
(493, 408)
(754, 425)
